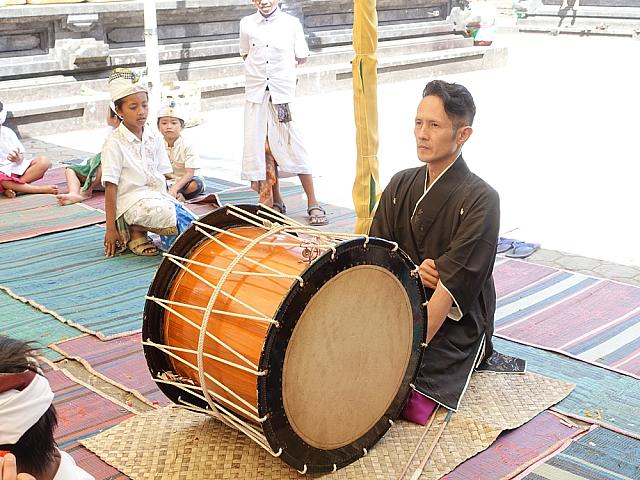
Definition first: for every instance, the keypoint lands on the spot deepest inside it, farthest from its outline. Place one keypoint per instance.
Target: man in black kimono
(446, 219)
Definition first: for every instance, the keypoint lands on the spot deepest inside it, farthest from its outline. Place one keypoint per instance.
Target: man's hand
(14, 156)
(112, 242)
(429, 274)
(9, 470)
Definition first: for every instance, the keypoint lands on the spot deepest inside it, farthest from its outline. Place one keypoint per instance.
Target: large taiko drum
(305, 341)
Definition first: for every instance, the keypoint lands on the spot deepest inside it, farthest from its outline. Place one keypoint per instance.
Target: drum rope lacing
(283, 226)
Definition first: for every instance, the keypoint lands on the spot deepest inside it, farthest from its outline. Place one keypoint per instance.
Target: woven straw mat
(172, 443)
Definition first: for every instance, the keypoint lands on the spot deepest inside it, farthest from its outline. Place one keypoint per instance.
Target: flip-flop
(506, 244)
(280, 207)
(522, 250)
(317, 219)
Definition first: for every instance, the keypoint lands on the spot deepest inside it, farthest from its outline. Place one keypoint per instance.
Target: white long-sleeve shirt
(271, 46)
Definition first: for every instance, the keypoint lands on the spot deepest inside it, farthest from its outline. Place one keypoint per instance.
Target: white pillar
(153, 60)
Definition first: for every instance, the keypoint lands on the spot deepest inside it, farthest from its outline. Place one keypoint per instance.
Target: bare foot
(69, 198)
(9, 193)
(52, 189)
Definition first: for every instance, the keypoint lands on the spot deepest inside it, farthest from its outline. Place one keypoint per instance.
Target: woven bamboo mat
(172, 443)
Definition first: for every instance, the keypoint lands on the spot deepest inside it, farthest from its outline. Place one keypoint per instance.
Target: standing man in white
(272, 44)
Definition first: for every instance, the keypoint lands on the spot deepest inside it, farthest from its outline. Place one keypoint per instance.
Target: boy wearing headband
(28, 418)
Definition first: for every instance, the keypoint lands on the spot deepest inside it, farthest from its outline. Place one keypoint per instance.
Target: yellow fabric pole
(366, 189)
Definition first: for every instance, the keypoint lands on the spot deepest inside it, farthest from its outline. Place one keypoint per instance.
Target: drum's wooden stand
(304, 340)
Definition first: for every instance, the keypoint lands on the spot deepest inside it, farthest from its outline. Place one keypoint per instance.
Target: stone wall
(56, 58)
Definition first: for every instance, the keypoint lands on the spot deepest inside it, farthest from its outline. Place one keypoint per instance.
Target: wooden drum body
(310, 341)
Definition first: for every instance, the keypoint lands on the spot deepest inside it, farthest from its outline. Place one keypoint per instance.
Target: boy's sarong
(161, 216)
(87, 170)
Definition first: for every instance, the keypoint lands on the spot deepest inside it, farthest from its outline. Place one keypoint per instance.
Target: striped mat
(119, 361)
(599, 455)
(28, 216)
(592, 319)
(515, 450)
(55, 176)
(68, 275)
(83, 413)
(601, 396)
(25, 322)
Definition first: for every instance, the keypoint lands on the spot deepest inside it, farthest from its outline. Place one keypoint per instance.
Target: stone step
(88, 111)
(217, 69)
(320, 38)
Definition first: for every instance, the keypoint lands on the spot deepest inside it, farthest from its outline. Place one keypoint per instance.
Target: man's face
(265, 7)
(437, 140)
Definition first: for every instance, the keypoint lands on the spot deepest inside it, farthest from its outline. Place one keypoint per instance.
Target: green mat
(68, 274)
(21, 321)
(600, 396)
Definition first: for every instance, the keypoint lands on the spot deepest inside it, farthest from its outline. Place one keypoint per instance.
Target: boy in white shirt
(17, 172)
(184, 157)
(134, 166)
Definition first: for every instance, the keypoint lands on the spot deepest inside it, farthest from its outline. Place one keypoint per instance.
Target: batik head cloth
(124, 82)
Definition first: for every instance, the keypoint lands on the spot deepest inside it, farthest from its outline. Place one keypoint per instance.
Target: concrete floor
(556, 134)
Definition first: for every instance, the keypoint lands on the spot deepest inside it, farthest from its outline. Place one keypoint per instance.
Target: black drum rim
(276, 428)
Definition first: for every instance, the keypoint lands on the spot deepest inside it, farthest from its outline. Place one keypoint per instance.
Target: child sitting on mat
(83, 179)
(17, 172)
(134, 166)
(184, 157)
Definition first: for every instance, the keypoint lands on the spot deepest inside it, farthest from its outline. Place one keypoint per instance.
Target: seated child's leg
(194, 188)
(11, 186)
(36, 170)
(74, 184)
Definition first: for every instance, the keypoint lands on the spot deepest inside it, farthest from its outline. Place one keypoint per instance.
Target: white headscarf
(124, 82)
(3, 114)
(21, 409)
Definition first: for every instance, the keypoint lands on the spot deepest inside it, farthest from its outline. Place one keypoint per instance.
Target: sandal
(280, 207)
(143, 247)
(317, 219)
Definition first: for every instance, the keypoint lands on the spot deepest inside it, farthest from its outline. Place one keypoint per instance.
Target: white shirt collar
(132, 137)
(261, 18)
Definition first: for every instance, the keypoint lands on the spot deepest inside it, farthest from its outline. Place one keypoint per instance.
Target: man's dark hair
(1, 106)
(36, 448)
(458, 102)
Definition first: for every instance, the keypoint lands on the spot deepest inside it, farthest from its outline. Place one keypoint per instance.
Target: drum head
(340, 365)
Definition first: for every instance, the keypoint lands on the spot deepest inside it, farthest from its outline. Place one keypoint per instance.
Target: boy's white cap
(170, 109)
(124, 82)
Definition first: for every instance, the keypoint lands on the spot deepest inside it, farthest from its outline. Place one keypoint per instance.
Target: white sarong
(261, 123)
